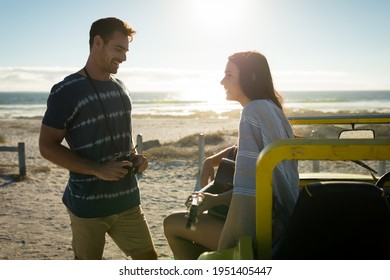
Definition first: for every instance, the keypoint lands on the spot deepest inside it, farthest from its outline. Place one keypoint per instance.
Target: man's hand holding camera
(140, 163)
(121, 165)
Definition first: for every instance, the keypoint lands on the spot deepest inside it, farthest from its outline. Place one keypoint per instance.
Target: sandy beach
(34, 224)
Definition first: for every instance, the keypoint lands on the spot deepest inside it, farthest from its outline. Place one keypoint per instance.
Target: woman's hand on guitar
(208, 201)
(207, 172)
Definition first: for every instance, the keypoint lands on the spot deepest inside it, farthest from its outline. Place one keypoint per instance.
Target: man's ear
(98, 41)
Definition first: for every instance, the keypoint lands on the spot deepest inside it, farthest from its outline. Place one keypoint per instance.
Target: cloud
(42, 79)
(31, 78)
(159, 79)
(328, 80)
(310, 80)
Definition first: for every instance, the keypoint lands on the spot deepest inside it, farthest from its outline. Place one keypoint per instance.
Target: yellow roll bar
(347, 119)
(303, 149)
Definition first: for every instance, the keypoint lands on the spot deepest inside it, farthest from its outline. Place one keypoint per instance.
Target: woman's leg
(189, 244)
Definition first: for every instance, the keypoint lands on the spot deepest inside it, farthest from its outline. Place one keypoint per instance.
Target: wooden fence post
(140, 147)
(22, 159)
(201, 152)
(316, 163)
(20, 149)
(381, 167)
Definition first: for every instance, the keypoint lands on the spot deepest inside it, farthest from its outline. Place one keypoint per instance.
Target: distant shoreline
(235, 114)
(181, 105)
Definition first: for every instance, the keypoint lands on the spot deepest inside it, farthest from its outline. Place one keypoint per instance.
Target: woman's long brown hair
(255, 77)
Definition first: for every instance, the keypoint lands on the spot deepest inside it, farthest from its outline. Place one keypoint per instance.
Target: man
(92, 111)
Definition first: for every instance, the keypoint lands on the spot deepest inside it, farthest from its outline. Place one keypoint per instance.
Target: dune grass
(188, 147)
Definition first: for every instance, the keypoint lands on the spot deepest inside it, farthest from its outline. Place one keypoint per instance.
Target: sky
(183, 45)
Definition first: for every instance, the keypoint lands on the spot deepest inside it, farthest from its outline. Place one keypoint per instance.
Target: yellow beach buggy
(337, 216)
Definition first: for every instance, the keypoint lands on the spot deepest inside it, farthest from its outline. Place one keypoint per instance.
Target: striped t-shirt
(74, 106)
(261, 123)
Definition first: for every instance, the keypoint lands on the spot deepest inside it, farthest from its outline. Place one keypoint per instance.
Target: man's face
(114, 52)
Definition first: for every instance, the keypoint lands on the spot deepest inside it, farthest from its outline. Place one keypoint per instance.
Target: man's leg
(88, 237)
(131, 233)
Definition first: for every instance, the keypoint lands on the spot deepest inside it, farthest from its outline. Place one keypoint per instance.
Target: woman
(248, 81)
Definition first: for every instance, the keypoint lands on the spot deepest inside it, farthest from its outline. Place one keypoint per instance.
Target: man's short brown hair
(105, 27)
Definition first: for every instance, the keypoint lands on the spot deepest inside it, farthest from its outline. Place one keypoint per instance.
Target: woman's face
(231, 83)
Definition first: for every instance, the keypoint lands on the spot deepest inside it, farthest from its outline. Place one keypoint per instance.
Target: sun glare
(215, 15)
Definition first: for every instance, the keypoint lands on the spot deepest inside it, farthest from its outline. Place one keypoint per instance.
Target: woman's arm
(207, 172)
(210, 200)
(240, 221)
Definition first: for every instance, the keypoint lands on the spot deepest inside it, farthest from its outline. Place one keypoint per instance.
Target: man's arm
(51, 148)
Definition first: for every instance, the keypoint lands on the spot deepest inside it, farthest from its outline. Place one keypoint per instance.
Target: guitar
(223, 182)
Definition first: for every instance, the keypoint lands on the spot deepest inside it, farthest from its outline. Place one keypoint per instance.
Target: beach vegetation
(40, 169)
(188, 147)
(193, 140)
(168, 152)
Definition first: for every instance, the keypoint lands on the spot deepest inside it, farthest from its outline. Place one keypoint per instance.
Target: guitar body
(223, 182)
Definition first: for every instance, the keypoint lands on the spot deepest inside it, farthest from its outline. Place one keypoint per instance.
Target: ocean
(25, 104)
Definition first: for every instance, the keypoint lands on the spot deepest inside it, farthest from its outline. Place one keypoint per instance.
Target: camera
(133, 159)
